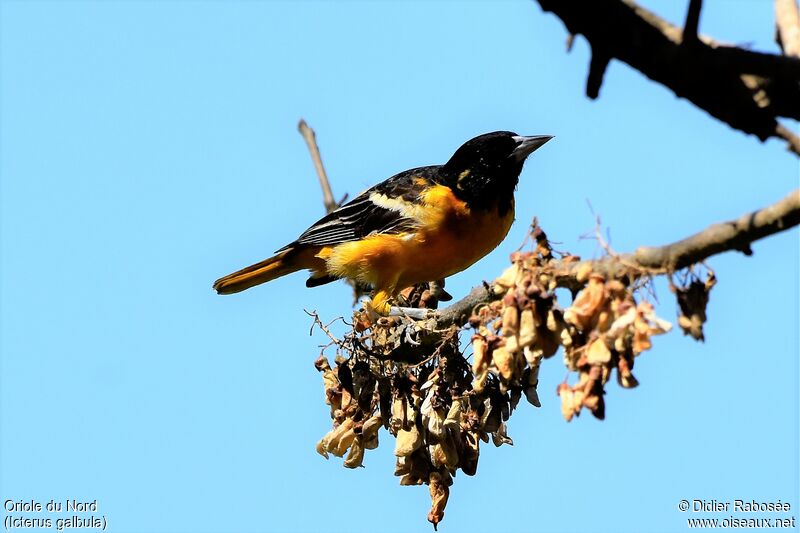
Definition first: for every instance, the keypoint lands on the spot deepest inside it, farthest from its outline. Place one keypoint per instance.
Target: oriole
(423, 224)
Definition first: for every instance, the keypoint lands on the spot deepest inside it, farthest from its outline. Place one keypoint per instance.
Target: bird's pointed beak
(527, 145)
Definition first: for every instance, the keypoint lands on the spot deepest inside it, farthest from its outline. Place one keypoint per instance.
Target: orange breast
(453, 238)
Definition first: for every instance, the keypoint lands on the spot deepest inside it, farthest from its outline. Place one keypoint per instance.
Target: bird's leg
(379, 305)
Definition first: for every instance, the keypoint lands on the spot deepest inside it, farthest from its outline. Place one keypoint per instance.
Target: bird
(421, 225)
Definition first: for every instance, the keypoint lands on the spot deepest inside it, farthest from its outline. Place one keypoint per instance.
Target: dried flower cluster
(413, 380)
(604, 329)
(428, 407)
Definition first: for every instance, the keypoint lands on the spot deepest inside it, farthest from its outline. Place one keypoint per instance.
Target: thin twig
(451, 332)
(323, 327)
(327, 194)
(311, 140)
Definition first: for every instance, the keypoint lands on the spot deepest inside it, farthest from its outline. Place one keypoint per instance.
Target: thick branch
(732, 235)
(745, 89)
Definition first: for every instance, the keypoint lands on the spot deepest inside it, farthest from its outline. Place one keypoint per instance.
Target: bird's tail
(262, 272)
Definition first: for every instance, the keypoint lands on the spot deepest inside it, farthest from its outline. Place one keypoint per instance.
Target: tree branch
(747, 90)
(717, 238)
(732, 235)
(690, 27)
(311, 140)
(787, 27)
(597, 69)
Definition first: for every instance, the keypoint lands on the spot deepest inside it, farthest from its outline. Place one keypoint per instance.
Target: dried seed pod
(624, 375)
(435, 424)
(577, 401)
(620, 344)
(480, 355)
(641, 337)
(531, 393)
(657, 325)
(453, 420)
(372, 425)
(596, 405)
(567, 397)
(439, 494)
(512, 344)
(510, 316)
(333, 439)
(504, 361)
(527, 328)
(445, 453)
(584, 269)
(620, 326)
(363, 385)
(322, 446)
(346, 399)
(407, 442)
(361, 322)
(566, 338)
(533, 290)
(598, 353)
(507, 279)
(590, 301)
(402, 466)
(427, 405)
(491, 418)
(369, 432)
(402, 415)
(501, 437)
(371, 443)
(355, 458)
(693, 301)
(547, 342)
(604, 319)
(410, 479)
(322, 364)
(479, 382)
(553, 323)
(340, 447)
(470, 453)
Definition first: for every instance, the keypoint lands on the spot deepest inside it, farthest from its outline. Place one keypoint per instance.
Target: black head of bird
(487, 167)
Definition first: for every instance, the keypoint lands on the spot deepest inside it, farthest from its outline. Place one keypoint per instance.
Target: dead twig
(323, 327)
(311, 140)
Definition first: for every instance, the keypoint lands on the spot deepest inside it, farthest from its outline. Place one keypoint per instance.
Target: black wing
(361, 216)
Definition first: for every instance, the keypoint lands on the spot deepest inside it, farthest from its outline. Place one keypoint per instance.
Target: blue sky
(147, 148)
